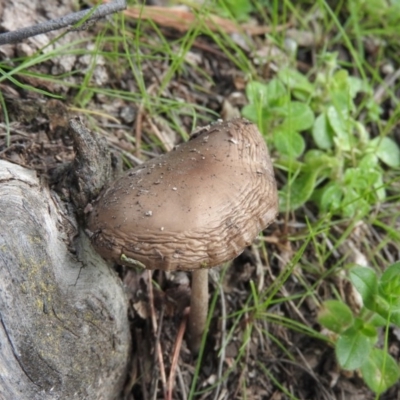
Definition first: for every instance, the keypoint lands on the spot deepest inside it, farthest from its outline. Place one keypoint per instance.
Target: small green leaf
(388, 309)
(395, 312)
(369, 161)
(315, 158)
(257, 93)
(277, 94)
(342, 101)
(387, 150)
(292, 166)
(299, 116)
(357, 85)
(395, 317)
(370, 332)
(354, 205)
(357, 179)
(294, 195)
(335, 315)
(362, 132)
(380, 372)
(389, 289)
(363, 181)
(340, 79)
(322, 132)
(366, 181)
(289, 142)
(252, 112)
(239, 9)
(341, 126)
(331, 197)
(379, 186)
(389, 284)
(366, 282)
(265, 96)
(374, 110)
(295, 80)
(352, 349)
(381, 306)
(377, 321)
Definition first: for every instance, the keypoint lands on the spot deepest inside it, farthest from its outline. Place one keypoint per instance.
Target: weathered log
(64, 331)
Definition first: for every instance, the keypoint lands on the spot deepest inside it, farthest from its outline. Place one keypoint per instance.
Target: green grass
(336, 208)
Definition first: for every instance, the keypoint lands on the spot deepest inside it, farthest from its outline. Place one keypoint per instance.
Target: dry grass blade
(156, 332)
(175, 356)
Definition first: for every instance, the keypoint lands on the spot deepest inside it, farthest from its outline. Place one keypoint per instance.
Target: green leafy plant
(341, 169)
(239, 9)
(357, 335)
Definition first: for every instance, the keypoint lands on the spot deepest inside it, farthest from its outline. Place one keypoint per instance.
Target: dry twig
(176, 351)
(224, 342)
(182, 20)
(157, 333)
(92, 14)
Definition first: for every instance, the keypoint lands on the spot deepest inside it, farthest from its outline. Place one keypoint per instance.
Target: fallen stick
(93, 13)
(182, 20)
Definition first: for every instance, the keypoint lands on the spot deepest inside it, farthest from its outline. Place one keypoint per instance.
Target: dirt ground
(255, 364)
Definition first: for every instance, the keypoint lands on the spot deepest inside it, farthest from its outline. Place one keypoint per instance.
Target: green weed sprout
(357, 335)
(342, 169)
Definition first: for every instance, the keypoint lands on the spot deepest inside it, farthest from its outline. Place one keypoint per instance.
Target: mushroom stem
(198, 308)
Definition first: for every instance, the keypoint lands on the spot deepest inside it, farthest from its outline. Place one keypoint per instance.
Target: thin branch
(182, 20)
(157, 334)
(175, 354)
(216, 278)
(93, 13)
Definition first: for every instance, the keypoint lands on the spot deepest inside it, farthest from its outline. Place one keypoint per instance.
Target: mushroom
(193, 208)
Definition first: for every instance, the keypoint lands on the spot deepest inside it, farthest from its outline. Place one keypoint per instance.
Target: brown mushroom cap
(194, 207)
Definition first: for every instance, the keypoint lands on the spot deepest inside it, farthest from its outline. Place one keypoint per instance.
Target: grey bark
(64, 331)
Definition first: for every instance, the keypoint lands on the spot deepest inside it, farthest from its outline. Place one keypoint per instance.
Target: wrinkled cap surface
(194, 207)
